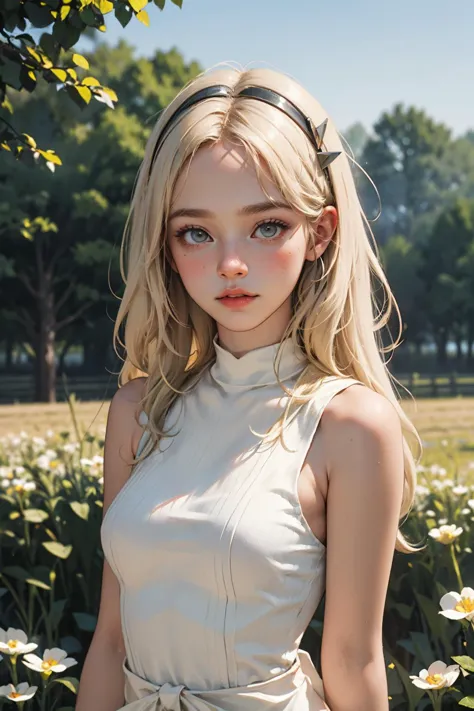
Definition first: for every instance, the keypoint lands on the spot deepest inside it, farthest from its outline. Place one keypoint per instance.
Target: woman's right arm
(102, 681)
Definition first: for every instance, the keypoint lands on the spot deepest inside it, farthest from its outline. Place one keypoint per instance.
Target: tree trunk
(45, 370)
(9, 354)
(441, 345)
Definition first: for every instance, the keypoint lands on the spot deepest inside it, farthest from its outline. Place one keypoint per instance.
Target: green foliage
(26, 63)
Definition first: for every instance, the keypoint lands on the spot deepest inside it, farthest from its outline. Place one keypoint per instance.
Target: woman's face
(223, 233)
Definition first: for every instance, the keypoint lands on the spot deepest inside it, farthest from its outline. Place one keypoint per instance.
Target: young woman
(256, 454)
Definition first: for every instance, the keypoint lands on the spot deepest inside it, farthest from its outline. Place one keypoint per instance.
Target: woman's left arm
(363, 449)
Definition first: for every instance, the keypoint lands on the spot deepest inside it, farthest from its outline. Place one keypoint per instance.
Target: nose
(231, 265)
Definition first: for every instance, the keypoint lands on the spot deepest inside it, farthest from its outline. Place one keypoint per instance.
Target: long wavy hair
(336, 319)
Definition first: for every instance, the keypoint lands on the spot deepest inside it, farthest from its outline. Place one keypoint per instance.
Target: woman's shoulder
(125, 407)
(359, 417)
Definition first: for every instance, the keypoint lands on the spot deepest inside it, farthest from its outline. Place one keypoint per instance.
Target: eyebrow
(246, 210)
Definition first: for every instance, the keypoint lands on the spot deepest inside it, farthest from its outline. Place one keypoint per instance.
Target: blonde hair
(168, 337)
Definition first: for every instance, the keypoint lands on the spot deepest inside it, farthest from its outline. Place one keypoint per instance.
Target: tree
(446, 284)
(419, 171)
(72, 224)
(26, 63)
(401, 260)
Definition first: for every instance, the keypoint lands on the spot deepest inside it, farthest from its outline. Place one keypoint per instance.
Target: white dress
(220, 573)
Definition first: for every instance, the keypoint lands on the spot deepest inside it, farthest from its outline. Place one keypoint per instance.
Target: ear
(323, 231)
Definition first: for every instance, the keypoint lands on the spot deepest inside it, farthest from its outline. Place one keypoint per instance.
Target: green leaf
(35, 515)
(179, 3)
(467, 701)
(70, 682)
(39, 16)
(15, 571)
(124, 14)
(38, 583)
(57, 610)
(85, 622)
(66, 34)
(160, 3)
(57, 549)
(465, 662)
(81, 510)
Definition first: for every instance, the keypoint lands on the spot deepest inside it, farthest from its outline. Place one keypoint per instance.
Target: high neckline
(256, 368)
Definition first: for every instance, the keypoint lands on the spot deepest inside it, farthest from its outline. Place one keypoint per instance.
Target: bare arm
(364, 452)
(102, 681)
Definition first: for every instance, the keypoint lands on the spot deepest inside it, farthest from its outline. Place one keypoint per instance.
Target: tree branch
(26, 281)
(64, 297)
(73, 317)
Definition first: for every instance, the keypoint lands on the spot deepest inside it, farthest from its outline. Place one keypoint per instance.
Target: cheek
(189, 268)
(288, 260)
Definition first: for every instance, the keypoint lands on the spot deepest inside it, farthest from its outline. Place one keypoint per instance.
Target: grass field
(435, 419)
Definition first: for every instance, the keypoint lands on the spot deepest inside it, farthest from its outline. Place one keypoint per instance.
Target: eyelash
(179, 234)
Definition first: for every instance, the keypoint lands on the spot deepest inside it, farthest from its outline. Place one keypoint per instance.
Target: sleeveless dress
(219, 572)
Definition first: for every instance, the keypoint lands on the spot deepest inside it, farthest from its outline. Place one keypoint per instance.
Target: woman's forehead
(223, 174)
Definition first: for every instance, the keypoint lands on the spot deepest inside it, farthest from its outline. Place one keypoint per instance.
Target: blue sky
(358, 57)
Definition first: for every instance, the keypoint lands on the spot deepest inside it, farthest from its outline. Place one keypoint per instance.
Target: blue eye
(180, 234)
(270, 229)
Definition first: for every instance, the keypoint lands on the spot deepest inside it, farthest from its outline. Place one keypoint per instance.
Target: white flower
(70, 447)
(97, 459)
(42, 462)
(444, 442)
(447, 483)
(54, 660)
(471, 503)
(437, 676)
(430, 513)
(460, 490)
(23, 485)
(466, 511)
(422, 490)
(19, 471)
(442, 521)
(22, 692)
(445, 534)
(458, 606)
(14, 641)
(471, 465)
(437, 470)
(39, 442)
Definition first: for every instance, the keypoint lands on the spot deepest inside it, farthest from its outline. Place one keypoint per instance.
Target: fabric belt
(299, 688)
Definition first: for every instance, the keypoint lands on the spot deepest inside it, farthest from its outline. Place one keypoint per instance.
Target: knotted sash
(299, 688)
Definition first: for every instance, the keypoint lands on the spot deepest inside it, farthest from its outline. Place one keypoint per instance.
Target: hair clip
(325, 158)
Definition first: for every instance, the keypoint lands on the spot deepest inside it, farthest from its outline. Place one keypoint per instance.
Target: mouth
(237, 301)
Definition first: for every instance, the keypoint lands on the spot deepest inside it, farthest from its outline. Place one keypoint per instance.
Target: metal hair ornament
(260, 93)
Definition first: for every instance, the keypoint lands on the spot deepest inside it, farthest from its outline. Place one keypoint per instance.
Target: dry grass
(453, 417)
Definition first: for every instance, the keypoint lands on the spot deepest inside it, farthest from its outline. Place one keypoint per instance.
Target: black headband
(315, 134)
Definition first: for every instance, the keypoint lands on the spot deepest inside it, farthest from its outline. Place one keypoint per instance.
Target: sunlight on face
(223, 233)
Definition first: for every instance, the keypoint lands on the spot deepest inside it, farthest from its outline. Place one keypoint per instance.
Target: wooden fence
(20, 388)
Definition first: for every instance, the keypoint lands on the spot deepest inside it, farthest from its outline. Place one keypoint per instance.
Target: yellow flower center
(18, 487)
(12, 643)
(14, 695)
(447, 537)
(48, 663)
(435, 679)
(54, 463)
(465, 605)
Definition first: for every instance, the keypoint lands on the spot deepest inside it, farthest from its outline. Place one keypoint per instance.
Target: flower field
(51, 561)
